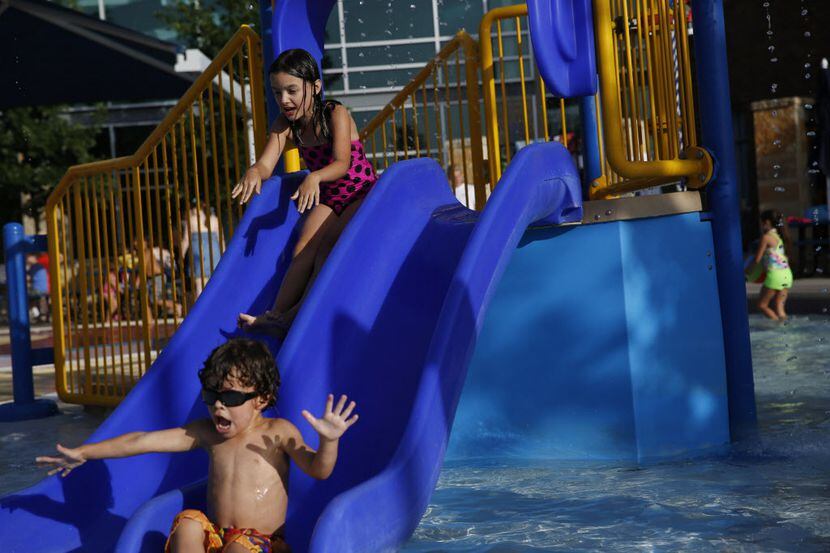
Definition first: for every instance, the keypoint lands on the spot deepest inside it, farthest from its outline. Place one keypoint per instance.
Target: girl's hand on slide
(251, 182)
(308, 194)
(335, 420)
(69, 459)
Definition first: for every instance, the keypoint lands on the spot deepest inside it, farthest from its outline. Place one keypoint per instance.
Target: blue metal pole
(724, 202)
(590, 139)
(15, 246)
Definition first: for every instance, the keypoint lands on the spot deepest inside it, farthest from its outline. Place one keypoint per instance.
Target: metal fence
(134, 239)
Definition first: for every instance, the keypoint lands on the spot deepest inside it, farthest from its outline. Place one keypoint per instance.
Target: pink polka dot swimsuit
(346, 190)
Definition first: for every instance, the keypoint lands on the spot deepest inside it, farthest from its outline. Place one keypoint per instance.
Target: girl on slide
(774, 250)
(339, 178)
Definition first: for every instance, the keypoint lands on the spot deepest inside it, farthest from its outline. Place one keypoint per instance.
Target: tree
(208, 25)
(37, 146)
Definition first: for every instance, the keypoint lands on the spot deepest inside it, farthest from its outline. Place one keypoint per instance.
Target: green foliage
(208, 25)
(37, 146)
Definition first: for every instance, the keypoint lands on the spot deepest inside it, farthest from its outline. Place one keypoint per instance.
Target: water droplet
(775, 175)
(359, 20)
(776, 166)
(780, 189)
(811, 133)
(766, 4)
(808, 106)
(808, 65)
(773, 87)
(769, 33)
(813, 171)
(609, 212)
(771, 48)
(807, 34)
(776, 142)
(773, 60)
(774, 113)
(412, 6)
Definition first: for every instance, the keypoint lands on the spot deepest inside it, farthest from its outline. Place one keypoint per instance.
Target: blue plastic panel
(603, 341)
(300, 24)
(562, 32)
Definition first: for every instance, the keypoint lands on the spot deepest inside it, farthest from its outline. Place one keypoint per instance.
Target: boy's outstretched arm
(170, 440)
(331, 426)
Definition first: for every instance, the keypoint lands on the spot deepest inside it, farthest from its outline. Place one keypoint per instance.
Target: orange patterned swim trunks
(218, 539)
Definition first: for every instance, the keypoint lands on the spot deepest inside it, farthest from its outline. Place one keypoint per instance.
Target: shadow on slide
(392, 322)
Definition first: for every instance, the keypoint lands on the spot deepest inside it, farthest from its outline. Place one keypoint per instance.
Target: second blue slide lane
(391, 321)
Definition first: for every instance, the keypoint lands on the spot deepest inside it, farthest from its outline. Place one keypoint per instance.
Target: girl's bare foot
(271, 323)
(244, 320)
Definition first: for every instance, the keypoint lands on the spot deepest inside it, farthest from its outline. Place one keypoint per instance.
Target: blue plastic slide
(392, 322)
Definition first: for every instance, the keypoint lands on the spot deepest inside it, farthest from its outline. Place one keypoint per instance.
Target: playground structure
(614, 329)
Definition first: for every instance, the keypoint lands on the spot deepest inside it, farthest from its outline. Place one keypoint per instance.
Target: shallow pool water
(768, 494)
(771, 493)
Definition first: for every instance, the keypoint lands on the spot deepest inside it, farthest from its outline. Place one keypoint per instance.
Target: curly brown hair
(249, 361)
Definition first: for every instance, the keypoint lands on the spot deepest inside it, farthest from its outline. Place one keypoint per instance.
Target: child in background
(247, 499)
(201, 236)
(773, 250)
(331, 193)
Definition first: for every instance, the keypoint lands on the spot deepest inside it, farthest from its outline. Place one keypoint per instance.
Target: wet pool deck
(20, 442)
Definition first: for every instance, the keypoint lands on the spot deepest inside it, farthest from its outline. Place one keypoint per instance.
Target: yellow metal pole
(473, 109)
(698, 169)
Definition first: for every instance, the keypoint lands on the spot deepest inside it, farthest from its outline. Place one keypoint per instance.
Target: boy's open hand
(69, 459)
(335, 420)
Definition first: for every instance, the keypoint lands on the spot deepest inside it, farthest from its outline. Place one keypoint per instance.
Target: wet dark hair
(299, 63)
(779, 223)
(249, 362)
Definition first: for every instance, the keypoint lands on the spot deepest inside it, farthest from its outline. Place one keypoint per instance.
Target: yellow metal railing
(647, 97)
(507, 67)
(646, 122)
(119, 229)
(427, 118)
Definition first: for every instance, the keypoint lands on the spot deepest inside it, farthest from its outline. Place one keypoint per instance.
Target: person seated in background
(247, 498)
(159, 283)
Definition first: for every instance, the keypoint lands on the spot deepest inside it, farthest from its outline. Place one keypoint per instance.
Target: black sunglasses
(228, 398)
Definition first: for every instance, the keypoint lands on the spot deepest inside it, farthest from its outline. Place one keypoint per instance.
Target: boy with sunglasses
(247, 498)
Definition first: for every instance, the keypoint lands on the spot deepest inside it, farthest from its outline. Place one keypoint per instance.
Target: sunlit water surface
(767, 494)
